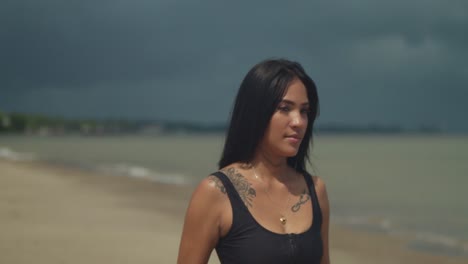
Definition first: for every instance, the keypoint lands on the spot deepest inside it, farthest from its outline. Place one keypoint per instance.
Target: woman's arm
(322, 195)
(202, 223)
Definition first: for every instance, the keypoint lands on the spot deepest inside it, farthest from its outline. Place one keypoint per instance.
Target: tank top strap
(317, 223)
(233, 195)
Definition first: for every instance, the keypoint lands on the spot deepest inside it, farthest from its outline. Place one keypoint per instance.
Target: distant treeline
(47, 125)
(20, 123)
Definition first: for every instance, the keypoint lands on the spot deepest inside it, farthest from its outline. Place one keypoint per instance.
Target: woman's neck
(269, 167)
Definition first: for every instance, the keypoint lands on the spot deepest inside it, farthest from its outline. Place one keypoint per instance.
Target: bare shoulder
(214, 182)
(324, 204)
(211, 186)
(208, 201)
(203, 221)
(319, 184)
(321, 190)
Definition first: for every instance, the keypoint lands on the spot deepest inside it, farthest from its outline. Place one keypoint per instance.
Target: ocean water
(398, 185)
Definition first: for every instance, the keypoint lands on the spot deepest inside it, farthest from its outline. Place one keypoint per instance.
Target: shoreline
(51, 213)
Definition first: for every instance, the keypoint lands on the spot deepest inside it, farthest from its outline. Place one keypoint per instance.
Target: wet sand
(53, 214)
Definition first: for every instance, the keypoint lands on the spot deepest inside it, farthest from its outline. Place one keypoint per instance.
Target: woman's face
(288, 123)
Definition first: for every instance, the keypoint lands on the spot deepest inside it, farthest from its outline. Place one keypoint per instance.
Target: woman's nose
(297, 119)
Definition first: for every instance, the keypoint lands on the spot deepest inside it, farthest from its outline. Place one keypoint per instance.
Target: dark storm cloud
(405, 60)
(71, 44)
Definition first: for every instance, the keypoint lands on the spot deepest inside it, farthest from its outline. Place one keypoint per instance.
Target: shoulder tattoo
(242, 185)
(217, 182)
(303, 198)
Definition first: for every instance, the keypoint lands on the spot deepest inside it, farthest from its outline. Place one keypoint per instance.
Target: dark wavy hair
(260, 92)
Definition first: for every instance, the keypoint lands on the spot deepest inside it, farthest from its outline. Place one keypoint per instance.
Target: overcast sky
(386, 62)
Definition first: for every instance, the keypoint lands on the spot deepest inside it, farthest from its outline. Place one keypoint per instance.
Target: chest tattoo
(303, 198)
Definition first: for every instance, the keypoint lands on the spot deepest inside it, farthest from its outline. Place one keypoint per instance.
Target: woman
(262, 206)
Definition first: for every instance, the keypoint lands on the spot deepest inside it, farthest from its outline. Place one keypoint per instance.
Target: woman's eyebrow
(289, 102)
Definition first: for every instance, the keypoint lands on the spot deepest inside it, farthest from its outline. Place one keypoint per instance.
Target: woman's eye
(283, 108)
(305, 111)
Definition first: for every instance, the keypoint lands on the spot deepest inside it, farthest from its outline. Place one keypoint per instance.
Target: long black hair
(260, 93)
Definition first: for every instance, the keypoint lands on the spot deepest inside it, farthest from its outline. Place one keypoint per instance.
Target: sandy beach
(53, 214)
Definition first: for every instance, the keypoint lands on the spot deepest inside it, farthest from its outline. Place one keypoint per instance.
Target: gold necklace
(283, 218)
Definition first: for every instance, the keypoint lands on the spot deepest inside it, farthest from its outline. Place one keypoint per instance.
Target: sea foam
(8, 154)
(131, 170)
(439, 244)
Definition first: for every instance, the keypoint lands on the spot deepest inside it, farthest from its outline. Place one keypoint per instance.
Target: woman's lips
(293, 139)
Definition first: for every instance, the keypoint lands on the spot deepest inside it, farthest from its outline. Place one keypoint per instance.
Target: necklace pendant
(283, 220)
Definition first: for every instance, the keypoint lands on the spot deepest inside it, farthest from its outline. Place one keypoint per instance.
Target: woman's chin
(290, 152)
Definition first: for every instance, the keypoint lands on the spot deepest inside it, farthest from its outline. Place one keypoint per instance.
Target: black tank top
(249, 242)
